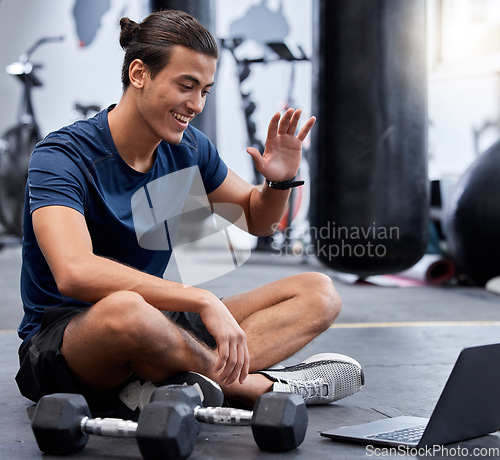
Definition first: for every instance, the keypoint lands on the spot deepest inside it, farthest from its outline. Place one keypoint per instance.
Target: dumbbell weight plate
(56, 423)
(279, 422)
(166, 431)
(179, 393)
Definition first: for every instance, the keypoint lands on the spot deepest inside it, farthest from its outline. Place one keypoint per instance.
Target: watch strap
(285, 185)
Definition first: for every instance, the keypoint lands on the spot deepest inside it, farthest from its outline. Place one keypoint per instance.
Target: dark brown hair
(152, 40)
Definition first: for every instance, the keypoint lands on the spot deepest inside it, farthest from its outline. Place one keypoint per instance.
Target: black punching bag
(471, 220)
(369, 185)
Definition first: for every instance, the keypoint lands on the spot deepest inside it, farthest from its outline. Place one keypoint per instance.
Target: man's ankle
(247, 393)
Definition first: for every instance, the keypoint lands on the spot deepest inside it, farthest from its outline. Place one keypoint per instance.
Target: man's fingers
(235, 370)
(246, 366)
(294, 122)
(288, 123)
(284, 124)
(257, 158)
(232, 351)
(255, 154)
(244, 359)
(230, 365)
(306, 128)
(234, 364)
(272, 130)
(223, 352)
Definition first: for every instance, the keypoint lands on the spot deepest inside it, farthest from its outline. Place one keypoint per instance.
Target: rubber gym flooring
(406, 339)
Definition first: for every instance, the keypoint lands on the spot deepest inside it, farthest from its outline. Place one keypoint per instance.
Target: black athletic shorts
(43, 369)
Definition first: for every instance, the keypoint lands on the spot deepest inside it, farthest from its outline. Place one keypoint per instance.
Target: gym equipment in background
(370, 190)
(289, 236)
(471, 221)
(18, 143)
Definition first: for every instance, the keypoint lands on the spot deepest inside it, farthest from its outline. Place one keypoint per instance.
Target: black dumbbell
(278, 421)
(62, 424)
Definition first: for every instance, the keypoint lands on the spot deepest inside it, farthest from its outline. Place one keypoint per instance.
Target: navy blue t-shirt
(79, 167)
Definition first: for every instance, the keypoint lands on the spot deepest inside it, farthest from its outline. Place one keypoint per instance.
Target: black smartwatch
(285, 185)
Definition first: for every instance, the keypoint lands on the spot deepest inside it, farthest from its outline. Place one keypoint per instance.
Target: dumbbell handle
(111, 427)
(118, 428)
(223, 416)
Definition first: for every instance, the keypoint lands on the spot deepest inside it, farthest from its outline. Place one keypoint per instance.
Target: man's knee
(122, 303)
(323, 299)
(126, 315)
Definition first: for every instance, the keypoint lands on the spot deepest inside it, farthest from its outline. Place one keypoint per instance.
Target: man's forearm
(98, 277)
(267, 208)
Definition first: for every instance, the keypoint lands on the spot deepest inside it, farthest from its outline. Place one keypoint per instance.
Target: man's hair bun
(128, 31)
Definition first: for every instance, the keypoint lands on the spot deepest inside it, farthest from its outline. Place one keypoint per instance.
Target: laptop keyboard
(412, 434)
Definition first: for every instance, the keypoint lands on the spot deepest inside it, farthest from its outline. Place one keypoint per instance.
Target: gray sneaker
(320, 379)
(137, 394)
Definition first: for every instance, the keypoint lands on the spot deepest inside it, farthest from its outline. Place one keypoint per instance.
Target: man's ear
(137, 73)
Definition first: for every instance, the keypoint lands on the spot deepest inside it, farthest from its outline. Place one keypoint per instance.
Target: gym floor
(406, 339)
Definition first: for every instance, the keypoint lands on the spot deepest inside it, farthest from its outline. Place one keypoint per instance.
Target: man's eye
(206, 92)
(187, 87)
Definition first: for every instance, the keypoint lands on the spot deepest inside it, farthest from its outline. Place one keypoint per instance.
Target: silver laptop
(468, 407)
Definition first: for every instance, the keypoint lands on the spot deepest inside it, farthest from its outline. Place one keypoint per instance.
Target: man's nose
(196, 103)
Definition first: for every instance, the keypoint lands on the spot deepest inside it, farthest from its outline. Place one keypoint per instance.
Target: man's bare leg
(279, 319)
(282, 317)
(122, 334)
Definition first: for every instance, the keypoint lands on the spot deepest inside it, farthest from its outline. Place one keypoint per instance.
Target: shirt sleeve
(212, 167)
(55, 178)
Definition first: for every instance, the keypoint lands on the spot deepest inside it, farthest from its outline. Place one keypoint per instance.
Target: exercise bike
(17, 144)
(291, 235)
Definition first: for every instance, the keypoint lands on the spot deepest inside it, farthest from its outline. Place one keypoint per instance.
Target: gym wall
(85, 68)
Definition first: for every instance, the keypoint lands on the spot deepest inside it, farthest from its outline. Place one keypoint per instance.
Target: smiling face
(167, 103)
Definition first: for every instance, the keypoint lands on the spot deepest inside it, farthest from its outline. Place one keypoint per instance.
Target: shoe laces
(309, 389)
